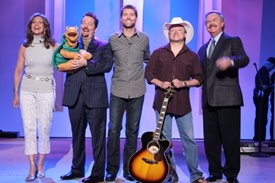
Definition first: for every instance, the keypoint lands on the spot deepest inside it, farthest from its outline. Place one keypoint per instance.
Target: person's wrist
(83, 63)
(15, 89)
(159, 84)
(184, 84)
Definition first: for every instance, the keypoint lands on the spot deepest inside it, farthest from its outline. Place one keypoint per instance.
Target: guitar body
(149, 164)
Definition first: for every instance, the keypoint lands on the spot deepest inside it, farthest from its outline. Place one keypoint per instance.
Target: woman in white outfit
(37, 91)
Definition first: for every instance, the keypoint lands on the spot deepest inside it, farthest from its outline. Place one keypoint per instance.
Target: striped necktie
(211, 48)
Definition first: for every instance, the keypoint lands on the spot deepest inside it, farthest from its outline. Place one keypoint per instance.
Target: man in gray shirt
(131, 49)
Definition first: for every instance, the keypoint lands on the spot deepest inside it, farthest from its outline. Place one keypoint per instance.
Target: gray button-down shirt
(129, 57)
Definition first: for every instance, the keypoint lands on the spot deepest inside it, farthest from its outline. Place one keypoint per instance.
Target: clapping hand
(224, 63)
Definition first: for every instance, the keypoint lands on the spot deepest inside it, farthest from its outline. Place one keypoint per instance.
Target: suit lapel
(218, 48)
(205, 59)
(93, 46)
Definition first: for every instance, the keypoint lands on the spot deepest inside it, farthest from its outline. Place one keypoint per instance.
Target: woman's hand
(15, 100)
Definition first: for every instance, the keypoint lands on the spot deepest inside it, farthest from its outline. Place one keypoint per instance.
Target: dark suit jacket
(90, 80)
(222, 88)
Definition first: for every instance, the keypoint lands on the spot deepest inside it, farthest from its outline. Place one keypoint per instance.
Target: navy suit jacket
(90, 80)
(222, 88)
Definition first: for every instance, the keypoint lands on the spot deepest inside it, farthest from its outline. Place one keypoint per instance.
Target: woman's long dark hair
(48, 39)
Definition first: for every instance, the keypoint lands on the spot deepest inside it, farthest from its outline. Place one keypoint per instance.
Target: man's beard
(129, 26)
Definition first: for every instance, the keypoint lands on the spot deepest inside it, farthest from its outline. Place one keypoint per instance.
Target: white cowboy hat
(177, 20)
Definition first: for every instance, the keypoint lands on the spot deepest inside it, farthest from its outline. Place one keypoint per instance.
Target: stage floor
(14, 165)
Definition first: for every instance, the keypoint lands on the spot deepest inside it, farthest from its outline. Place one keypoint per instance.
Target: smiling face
(87, 28)
(128, 18)
(71, 35)
(37, 26)
(177, 33)
(214, 24)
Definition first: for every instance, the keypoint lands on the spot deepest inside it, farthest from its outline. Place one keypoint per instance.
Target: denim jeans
(133, 109)
(186, 132)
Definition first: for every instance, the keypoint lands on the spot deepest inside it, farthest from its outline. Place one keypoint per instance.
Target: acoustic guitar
(149, 164)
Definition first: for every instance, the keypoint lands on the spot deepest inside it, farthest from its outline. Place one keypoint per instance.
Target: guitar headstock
(169, 92)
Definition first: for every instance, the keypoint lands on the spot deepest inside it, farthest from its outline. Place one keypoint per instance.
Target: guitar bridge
(148, 161)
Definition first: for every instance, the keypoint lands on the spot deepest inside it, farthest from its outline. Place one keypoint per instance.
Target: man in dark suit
(86, 96)
(221, 57)
(262, 91)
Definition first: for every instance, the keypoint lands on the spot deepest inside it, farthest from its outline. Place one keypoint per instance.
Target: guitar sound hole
(153, 147)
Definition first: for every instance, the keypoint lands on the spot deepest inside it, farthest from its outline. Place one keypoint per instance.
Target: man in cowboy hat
(176, 65)
(262, 91)
(221, 58)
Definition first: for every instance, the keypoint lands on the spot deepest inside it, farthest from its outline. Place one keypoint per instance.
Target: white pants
(36, 111)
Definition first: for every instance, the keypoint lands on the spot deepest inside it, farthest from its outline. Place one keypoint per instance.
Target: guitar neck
(161, 118)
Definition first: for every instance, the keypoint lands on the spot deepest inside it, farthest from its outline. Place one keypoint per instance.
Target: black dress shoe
(232, 180)
(128, 177)
(212, 178)
(110, 177)
(71, 175)
(92, 180)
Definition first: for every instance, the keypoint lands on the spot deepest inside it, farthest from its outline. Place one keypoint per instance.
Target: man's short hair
(90, 14)
(128, 6)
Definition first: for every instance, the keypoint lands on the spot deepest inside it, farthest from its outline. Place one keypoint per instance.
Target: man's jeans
(133, 109)
(186, 132)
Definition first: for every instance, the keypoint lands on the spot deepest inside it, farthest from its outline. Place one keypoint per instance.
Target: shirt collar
(168, 47)
(121, 33)
(217, 37)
